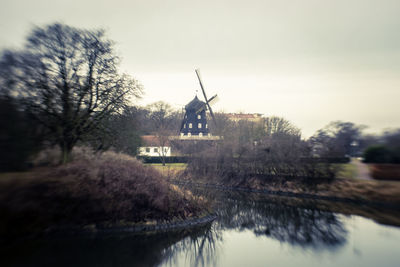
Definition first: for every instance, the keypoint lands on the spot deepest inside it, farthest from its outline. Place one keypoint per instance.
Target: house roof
(195, 105)
(153, 140)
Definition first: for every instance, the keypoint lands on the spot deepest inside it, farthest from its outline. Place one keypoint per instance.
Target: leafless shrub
(125, 188)
(273, 150)
(102, 188)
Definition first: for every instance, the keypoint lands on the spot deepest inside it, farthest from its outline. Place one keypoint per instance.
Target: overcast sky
(310, 61)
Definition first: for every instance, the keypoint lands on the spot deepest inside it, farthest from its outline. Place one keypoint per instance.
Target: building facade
(154, 147)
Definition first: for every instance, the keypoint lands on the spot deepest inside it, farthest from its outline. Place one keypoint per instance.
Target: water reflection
(114, 250)
(199, 250)
(289, 222)
(306, 227)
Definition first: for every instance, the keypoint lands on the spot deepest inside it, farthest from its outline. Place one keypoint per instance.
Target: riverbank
(91, 193)
(375, 193)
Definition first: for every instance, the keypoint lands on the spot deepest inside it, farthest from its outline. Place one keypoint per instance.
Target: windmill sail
(205, 96)
(213, 99)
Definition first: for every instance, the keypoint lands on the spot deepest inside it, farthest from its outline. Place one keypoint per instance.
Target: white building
(154, 147)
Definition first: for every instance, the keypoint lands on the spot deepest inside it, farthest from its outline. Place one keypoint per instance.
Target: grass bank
(169, 170)
(382, 193)
(104, 190)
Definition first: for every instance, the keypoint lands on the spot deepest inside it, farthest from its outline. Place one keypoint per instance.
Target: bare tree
(69, 77)
(165, 122)
(280, 126)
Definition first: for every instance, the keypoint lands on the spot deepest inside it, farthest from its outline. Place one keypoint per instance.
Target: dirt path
(362, 170)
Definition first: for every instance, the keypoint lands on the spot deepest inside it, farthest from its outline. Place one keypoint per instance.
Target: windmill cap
(195, 104)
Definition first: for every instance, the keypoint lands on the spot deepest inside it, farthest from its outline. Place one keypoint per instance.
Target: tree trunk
(163, 160)
(66, 150)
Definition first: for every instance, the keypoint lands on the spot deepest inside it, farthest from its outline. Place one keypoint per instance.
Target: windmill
(194, 122)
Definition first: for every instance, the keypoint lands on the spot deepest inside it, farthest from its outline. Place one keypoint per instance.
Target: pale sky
(310, 61)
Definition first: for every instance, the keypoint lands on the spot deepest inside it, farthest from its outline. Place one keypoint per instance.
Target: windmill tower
(194, 123)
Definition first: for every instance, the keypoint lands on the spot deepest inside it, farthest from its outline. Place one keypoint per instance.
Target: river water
(251, 230)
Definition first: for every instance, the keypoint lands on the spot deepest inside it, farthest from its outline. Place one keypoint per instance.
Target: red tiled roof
(153, 140)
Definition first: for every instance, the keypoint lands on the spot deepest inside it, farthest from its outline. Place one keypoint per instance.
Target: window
(200, 134)
(209, 134)
(184, 126)
(189, 134)
(148, 149)
(182, 134)
(199, 117)
(199, 125)
(190, 125)
(165, 150)
(155, 150)
(206, 125)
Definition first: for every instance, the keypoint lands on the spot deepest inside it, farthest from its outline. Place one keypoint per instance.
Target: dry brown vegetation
(378, 192)
(107, 189)
(385, 171)
(373, 191)
(170, 170)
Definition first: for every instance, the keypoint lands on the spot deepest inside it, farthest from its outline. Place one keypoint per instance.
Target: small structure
(154, 147)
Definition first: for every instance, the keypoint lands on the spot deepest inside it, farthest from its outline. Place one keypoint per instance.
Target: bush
(379, 154)
(93, 189)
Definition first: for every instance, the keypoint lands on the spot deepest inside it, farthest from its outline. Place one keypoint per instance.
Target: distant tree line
(19, 135)
(63, 89)
(347, 139)
(270, 148)
(386, 148)
(273, 148)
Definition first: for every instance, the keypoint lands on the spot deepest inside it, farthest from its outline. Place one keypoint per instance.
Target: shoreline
(136, 228)
(349, 200)
(139, 229)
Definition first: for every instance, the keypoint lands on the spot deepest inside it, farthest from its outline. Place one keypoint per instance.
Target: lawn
(170, 169)
(347, 170)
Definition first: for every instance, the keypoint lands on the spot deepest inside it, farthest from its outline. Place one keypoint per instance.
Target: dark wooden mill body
(195, 121)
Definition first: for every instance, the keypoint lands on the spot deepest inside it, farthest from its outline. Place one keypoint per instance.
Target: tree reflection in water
(199, 244)
(199, 249)
(303, 226)
(286, 221)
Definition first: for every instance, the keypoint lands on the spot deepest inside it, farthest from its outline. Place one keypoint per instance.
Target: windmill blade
(212, 115)
(201, 83)
(205, 96)
(200, 109)
(213, 99)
